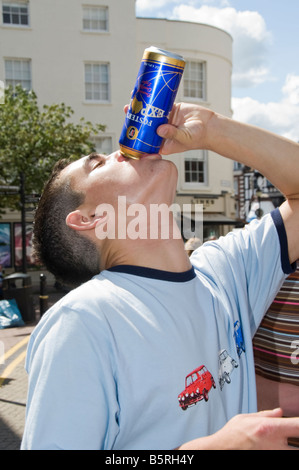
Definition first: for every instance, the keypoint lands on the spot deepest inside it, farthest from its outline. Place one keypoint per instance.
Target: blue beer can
(152, 99)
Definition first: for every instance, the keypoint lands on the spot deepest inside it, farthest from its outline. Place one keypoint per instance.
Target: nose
(115, 156)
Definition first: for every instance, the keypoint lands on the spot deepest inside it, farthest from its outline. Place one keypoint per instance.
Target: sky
(265, 78)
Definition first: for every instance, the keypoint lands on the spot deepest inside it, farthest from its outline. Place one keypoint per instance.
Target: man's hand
(194, 127)
(266, 430)
(186, 129)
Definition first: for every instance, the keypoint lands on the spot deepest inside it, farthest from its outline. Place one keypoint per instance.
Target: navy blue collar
(154, 273)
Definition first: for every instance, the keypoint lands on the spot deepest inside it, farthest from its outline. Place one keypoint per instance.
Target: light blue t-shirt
(109, 362)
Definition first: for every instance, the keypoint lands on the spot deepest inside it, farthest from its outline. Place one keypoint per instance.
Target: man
(192, 244)
(145, 355)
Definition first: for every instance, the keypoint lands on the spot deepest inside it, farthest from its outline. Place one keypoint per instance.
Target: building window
(195, 80)
(97, 82)
(95, 18)
(103, 145)
(195, 167)
(18, 72)
(15, 14)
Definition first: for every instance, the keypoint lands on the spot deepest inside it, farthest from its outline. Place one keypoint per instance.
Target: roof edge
(185, 21)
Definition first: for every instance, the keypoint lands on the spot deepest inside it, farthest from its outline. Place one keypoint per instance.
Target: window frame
(94, 8)
(93, 84)
(195, 156)
(19, 6)
(15, 79)
(103, 144)
(199, 81)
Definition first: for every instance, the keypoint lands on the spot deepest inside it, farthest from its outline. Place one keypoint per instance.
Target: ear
(78, 221)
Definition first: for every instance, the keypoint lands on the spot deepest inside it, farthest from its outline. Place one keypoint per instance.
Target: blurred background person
(1, 281)
(192, 244)
(276, 352)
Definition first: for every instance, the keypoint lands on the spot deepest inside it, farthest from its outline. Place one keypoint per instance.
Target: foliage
(33, 139)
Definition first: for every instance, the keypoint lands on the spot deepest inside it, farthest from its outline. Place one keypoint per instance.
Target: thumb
(167, 131)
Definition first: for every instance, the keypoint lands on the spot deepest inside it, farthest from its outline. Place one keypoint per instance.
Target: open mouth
(153, 156)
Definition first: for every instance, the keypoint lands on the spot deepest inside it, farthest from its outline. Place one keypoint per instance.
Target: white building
(87, 54)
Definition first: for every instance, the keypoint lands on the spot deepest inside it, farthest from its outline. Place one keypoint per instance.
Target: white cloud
(239, 23)
(291, 89)
(250, 38)
(160, 8)
(281, 117)
(155, 8)
(252, 77)
(248, 29)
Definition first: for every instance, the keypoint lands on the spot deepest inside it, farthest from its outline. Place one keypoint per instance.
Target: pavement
(13, 377)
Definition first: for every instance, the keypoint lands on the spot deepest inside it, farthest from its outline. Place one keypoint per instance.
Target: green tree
(33, 139)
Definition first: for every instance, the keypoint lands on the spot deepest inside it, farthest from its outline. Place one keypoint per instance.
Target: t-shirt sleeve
(248, 267)
(72, 402)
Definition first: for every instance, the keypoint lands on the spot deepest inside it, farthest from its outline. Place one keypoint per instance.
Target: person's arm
(193, 127)
(266, 430)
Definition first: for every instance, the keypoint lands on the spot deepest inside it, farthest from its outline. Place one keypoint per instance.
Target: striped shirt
(276, 343)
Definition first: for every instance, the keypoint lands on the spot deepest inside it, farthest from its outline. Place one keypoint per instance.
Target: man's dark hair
(71, 257)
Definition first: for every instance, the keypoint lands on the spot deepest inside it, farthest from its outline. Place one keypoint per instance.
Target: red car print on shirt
(197, 386)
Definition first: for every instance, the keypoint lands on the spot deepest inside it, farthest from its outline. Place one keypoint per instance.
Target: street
(13, 386)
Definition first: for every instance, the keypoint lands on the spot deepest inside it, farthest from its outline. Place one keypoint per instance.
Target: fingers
(280, 429)
(276, 413)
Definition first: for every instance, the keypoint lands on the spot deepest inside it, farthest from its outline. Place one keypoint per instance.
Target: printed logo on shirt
(227, 365)
(238, 335)
(200, 381)
(197, 387)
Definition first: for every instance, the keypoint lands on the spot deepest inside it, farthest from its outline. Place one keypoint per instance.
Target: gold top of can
(160, 55)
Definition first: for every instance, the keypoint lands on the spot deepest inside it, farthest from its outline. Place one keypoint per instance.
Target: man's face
(103, 178)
